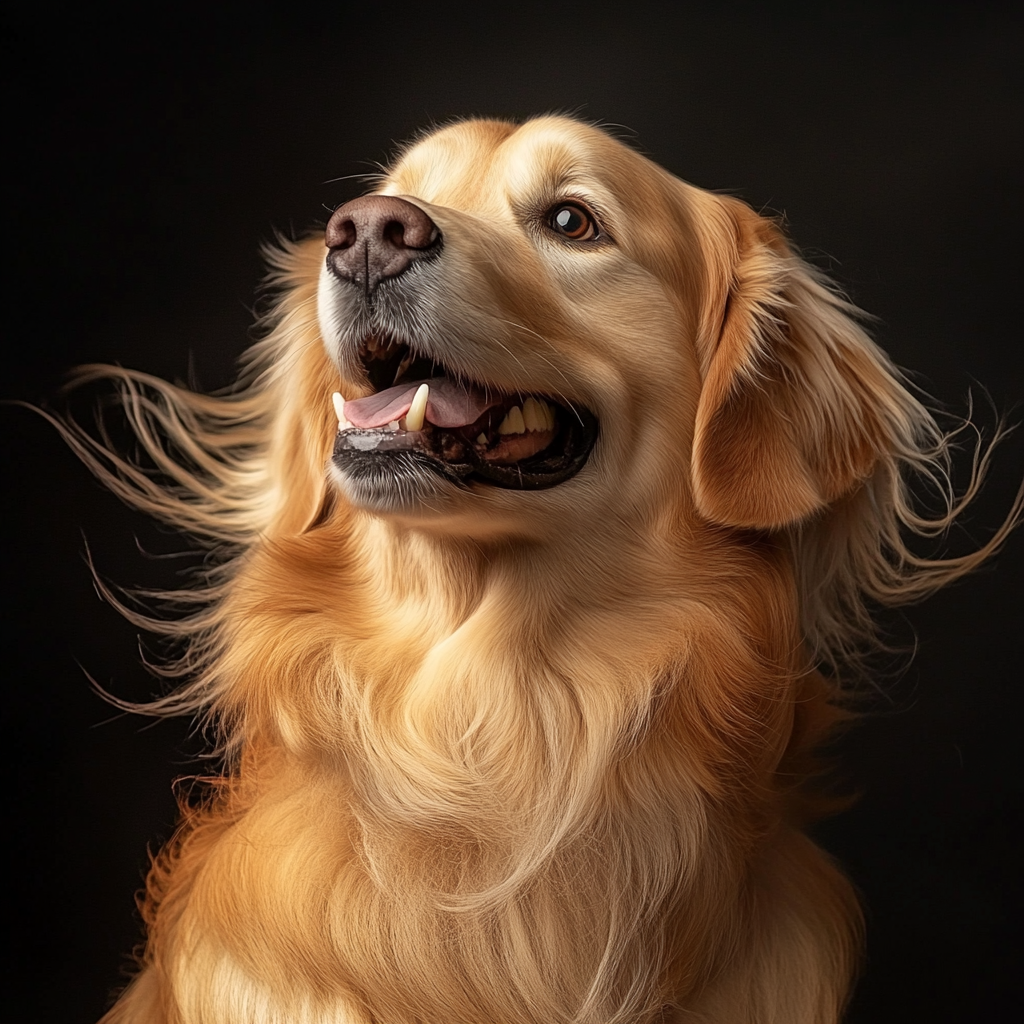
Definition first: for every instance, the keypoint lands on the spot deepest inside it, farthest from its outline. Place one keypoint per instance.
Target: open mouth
(424, 415)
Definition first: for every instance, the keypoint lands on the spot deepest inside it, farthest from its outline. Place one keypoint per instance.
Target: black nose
(377, 237)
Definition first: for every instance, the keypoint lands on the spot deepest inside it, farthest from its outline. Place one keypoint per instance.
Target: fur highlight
(550, 767)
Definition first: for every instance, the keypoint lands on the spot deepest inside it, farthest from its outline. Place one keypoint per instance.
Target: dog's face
(547, 284)
(540, 330)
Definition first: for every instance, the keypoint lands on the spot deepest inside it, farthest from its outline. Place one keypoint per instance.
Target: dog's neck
(526, 580)
(473, 629)
(407, 567)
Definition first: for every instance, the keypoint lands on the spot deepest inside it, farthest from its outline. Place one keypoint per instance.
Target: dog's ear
(797, 402)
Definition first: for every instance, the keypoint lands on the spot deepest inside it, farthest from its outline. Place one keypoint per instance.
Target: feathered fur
(543, 758)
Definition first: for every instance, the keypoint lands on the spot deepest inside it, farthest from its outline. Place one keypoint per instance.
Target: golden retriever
(523, 642)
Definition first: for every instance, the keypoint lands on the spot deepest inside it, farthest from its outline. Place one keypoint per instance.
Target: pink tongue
(449, 404)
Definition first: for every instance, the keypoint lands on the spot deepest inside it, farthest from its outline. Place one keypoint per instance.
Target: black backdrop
(150, 155)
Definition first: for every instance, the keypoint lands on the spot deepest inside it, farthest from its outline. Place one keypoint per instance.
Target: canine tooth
(482, 439)
(418, 410)
(339, 409)
(513, 422)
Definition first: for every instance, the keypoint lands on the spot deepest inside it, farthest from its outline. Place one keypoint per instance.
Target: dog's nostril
(341, 233)
(394, 232)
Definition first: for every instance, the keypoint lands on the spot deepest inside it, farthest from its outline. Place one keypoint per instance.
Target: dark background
(150, 154)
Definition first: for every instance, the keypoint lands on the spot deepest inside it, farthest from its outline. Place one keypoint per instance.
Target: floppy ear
(797, 402)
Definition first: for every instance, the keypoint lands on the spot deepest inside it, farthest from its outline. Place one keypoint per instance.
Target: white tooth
(418, 410)
(513, 422)
(530, 414)
(393, 426)
(482, 439)
(339, 408)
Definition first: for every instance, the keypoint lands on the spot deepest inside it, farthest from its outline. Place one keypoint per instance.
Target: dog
(551, 505)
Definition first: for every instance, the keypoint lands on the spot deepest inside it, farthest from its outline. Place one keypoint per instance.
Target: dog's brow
(554, 183)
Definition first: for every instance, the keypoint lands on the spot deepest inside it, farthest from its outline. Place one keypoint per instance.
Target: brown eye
(572, 221)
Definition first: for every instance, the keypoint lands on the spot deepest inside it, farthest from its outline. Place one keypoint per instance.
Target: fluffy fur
(512, 757)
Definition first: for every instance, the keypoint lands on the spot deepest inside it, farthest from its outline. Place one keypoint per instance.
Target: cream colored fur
(533, 757)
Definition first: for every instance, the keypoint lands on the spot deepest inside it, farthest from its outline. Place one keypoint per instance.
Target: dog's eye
(573, 221)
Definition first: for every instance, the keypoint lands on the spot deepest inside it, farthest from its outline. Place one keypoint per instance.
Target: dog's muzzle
(425, 419)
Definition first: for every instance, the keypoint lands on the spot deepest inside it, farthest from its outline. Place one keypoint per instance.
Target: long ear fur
(797, 402)
(804, 425)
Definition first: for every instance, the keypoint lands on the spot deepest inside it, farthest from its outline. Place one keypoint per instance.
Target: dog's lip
(380, 452)
(465, 429)
(498, 430)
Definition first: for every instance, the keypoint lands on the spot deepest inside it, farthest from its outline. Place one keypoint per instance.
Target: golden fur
(514, 757)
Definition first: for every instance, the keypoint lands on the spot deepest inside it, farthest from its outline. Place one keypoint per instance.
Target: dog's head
(536, 319)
